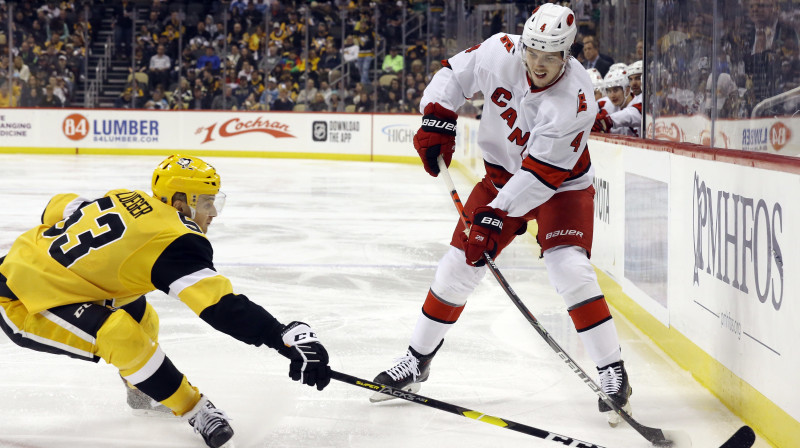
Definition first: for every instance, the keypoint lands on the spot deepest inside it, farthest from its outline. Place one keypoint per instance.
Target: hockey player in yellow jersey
(74, 285)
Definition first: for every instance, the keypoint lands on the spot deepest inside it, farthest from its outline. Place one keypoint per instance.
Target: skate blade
(614, 419)
(377, 397)
(152, 413)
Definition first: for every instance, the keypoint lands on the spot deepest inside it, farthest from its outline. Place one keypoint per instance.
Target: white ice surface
(349, 247)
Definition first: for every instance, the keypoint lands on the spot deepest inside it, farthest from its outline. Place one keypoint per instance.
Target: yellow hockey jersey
(121, 246)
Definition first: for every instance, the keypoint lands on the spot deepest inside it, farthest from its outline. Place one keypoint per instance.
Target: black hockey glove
(308, 358)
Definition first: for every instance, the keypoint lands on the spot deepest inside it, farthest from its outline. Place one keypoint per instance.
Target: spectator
(159, 68)
(153, 25)
(270, 58)
(9, 94)
(283, 102)
(21, 69)
(50, 99)
(31, 93)
(225, 101)
(418, 50)
(592, 55)
(123, 27)
(209, 60)
(771, 41)
(174, 26)
(201, 35)
(124, 101)
(236, 36)
(393, 62)
(270, 92)
(325, 90)
(250, 103)
(257, 83)
(200, 100)
(279, 35)
(308, 93)
(242, 90)
(59, 89)
(366, 53)
(159, 102)
(318, 104)
(247, 56)
(246, 71)
(182, 95)
(27, 54)
(335, 103)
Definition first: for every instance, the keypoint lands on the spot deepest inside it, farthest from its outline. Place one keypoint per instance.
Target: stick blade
(744, 437)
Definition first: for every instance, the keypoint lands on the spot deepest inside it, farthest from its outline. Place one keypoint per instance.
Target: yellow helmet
(184, 174)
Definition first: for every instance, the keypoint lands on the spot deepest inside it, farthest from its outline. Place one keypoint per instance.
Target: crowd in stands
(48, 45)
(256, 58)
(327, 55)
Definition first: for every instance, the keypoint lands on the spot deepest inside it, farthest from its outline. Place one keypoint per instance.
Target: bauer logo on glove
(432, 125)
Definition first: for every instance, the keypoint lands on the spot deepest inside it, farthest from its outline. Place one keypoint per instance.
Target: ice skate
(614, 382)
(143, 406)
(211, 423)
(407, 374)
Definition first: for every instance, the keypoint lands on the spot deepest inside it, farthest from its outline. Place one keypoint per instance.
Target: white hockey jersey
(628, 121)
(533, 140)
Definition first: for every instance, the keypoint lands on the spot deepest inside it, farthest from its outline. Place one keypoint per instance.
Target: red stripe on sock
(440, 311)
(590, 314)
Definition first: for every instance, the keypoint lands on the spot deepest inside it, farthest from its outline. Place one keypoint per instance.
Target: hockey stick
(464, 412)
(658, 437)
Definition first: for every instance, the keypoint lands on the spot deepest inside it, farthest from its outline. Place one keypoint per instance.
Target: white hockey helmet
(616, 78)
(636, 68)
(551, 27)
(617, 66)
(597, 80)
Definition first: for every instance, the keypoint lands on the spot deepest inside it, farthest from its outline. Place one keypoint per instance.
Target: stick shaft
(464, 412)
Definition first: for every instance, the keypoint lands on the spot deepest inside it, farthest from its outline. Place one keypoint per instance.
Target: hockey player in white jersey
(627, 120)
(533, 133)
(597, 82)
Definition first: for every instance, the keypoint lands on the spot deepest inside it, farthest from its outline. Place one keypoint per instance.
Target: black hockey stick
(658, 437)
(464, 412)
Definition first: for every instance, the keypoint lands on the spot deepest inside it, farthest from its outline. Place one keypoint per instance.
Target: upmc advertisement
(718, 240)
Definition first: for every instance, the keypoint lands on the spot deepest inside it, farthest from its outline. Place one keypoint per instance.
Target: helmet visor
(210, 204)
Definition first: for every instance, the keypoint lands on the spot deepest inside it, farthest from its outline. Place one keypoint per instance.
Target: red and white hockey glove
(436, 136)
(484, 234)
(603, 122)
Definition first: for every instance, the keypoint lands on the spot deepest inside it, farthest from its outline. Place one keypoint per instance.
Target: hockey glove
(308, 358)
(436, 136)
(603, 123)
(484, 233)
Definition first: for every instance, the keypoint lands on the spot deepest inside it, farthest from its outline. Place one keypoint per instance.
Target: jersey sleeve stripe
(176, 287)
(550, 175)
(582, 167)
(186, 255)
